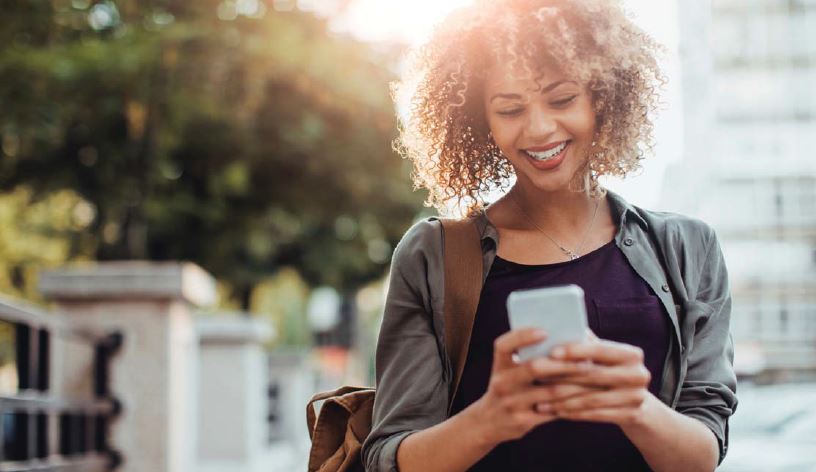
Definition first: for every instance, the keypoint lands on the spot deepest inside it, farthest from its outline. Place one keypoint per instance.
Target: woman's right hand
(508, 409)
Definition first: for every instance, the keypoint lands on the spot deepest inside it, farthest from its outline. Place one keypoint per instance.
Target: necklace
(571, 254)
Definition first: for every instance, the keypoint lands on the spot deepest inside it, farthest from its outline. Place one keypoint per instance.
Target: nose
(540, 124)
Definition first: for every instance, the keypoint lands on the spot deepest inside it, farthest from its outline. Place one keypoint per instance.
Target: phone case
(560, 311)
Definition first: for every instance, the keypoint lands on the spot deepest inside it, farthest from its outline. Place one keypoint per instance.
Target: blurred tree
(284, 297)
(222, 132)
(37, 235)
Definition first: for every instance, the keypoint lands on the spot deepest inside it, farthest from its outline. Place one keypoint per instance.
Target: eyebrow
(515, 96)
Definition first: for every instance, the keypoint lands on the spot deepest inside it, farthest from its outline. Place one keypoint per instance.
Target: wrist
(475, 424)
(651, 412)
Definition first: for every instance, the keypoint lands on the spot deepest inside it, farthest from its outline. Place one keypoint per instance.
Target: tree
(241, 139)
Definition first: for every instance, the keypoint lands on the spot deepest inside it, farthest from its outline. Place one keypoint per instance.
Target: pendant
(572, 255)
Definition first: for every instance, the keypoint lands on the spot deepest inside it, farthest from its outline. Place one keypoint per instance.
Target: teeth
(545, 155)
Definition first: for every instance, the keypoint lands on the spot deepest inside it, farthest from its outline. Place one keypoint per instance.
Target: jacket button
(665, 288)
(628, 242)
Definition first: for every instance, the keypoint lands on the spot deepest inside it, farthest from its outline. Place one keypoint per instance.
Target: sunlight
(389, 20)
(412, 22)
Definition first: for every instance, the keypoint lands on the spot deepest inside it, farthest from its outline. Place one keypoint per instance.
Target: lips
(547, 157)
(547, 152)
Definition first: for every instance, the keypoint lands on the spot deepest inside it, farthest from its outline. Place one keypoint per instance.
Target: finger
(545, 369)
(531, 418)
(574, 369)
(601, 399)
(620, 416)
(550, 394)
(617, 376)
(600, 352)
(511, 341)
(536, 371)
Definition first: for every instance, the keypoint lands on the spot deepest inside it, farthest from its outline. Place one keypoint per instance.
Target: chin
(557, 179)
(551, 186)
(554, 182)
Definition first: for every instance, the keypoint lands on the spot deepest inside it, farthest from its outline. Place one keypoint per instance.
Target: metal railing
(40, 429)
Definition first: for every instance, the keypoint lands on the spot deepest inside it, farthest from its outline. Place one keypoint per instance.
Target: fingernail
(558, 352)
(540, 333)
(544, 407)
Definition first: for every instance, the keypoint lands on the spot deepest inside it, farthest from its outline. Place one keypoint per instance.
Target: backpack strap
(464, 267)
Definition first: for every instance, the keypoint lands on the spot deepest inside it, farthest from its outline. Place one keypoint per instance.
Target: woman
(555, 94)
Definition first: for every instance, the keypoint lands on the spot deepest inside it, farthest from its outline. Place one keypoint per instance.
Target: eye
(511, 112)
(563, 101)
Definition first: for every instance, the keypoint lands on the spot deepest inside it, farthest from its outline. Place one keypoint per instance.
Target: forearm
(451, 446)
(671, 441)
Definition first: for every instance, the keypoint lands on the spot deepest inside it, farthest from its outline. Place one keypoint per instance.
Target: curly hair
(445, 132)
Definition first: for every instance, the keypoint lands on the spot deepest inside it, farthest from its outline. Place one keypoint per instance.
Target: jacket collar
(621, 211)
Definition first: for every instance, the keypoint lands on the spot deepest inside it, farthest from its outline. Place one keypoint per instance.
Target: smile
(548, 154)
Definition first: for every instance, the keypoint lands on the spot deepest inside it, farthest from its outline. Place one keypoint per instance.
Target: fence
(46, 430)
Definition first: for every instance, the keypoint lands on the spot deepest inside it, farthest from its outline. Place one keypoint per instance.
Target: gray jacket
(680, 259)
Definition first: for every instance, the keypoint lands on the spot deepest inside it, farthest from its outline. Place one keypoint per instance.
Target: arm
(708, 391)
(671, 441)
(412, 391)
(465, 442)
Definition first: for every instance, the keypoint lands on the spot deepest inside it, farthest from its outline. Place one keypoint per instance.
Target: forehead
(504, 78)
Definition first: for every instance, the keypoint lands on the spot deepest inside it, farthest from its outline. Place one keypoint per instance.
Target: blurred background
(199, 201)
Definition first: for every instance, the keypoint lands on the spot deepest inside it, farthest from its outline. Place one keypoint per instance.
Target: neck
(562, 211)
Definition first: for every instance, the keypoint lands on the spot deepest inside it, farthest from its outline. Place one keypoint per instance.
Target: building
(749, 168)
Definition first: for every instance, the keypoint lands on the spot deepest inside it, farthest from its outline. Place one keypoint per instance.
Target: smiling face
(545, 129)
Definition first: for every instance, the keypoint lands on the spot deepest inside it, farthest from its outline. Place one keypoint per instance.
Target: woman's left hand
(619, 374)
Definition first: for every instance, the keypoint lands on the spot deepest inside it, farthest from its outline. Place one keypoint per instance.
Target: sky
(412, 22)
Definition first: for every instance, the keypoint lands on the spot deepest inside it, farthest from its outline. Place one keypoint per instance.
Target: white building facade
(749, 168)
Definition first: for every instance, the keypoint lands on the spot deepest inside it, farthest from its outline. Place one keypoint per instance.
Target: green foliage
(38, 234)
(283, 298)
(242, 141)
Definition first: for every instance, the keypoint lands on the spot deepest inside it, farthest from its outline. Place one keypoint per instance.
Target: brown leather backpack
(344, 421)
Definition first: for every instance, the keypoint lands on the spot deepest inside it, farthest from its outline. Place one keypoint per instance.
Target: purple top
(620, 307)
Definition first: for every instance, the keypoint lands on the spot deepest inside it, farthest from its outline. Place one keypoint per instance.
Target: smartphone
(560, 311)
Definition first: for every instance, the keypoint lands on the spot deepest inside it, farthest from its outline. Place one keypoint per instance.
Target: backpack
(338, 432)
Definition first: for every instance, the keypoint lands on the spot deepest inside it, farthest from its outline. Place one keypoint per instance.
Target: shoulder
(422, 241)
(417, 261)
(677, 229)
(690, 245)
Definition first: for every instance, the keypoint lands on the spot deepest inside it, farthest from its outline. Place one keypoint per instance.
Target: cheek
(583, 127)
(584, 117)
(504, 133)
